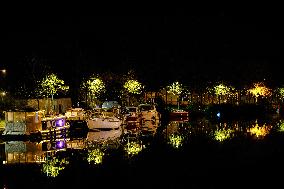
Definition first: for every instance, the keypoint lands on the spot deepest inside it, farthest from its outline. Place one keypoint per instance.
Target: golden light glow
(259, 131)
(95, 156)
(260, 89)
(176, 140)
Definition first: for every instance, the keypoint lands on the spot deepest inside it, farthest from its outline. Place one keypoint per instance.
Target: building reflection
(23, 152)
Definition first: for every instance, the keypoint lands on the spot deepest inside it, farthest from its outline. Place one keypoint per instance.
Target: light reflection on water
(175, 134)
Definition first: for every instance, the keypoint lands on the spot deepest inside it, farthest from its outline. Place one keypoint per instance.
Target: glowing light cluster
(281, 92)
(175, 88)
(260, 89)
(3, 93)
(133, 86)
(221, 89)
(133, 148)
(51, 85)
(176, 140)
(281, 126)
(53, 166)
(95, 156)
(95, 86)
(223, 134)
(259, 131)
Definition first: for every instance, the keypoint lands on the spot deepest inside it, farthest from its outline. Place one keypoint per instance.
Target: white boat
(103, 135)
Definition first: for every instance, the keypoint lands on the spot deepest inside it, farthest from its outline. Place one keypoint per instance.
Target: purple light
(60, 123)
(60, 144)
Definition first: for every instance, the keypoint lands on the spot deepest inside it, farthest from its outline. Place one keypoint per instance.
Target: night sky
(225, 45)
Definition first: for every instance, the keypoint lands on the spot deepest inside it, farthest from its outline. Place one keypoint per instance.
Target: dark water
(197, 154)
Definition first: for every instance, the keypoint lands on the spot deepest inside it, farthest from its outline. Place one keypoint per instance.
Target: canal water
(194, 154)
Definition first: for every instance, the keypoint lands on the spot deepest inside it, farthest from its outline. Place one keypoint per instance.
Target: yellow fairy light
(281, 126)
(133, 148)
(223, 134)
(51, 85)
(259, 131)
(133, 86)
(175, 88)
(95, 156)
(53, 166)
(176, 140)
(260, 89)
(222, 90)
(94, 85)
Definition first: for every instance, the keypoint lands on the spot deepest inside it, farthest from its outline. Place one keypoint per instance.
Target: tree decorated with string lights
(259, 89)
(92, 89)
(176, 89)
(50, 86)
(222, 90)
(132, 87)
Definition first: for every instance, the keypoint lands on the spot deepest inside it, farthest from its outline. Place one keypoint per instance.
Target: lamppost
(2, 95)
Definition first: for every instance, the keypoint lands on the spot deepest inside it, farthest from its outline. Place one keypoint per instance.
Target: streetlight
(3, 71)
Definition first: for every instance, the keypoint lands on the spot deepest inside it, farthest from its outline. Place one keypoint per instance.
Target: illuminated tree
(280, 92)
(134, 147)
(132, 87)
(221, 90)
(95, 156)
(259, 89)
(223, 134)
(176, 140)
(281, 126)
(176, 89)
(53, 166)
(259, 131)
(92, 88)
(52, 85)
